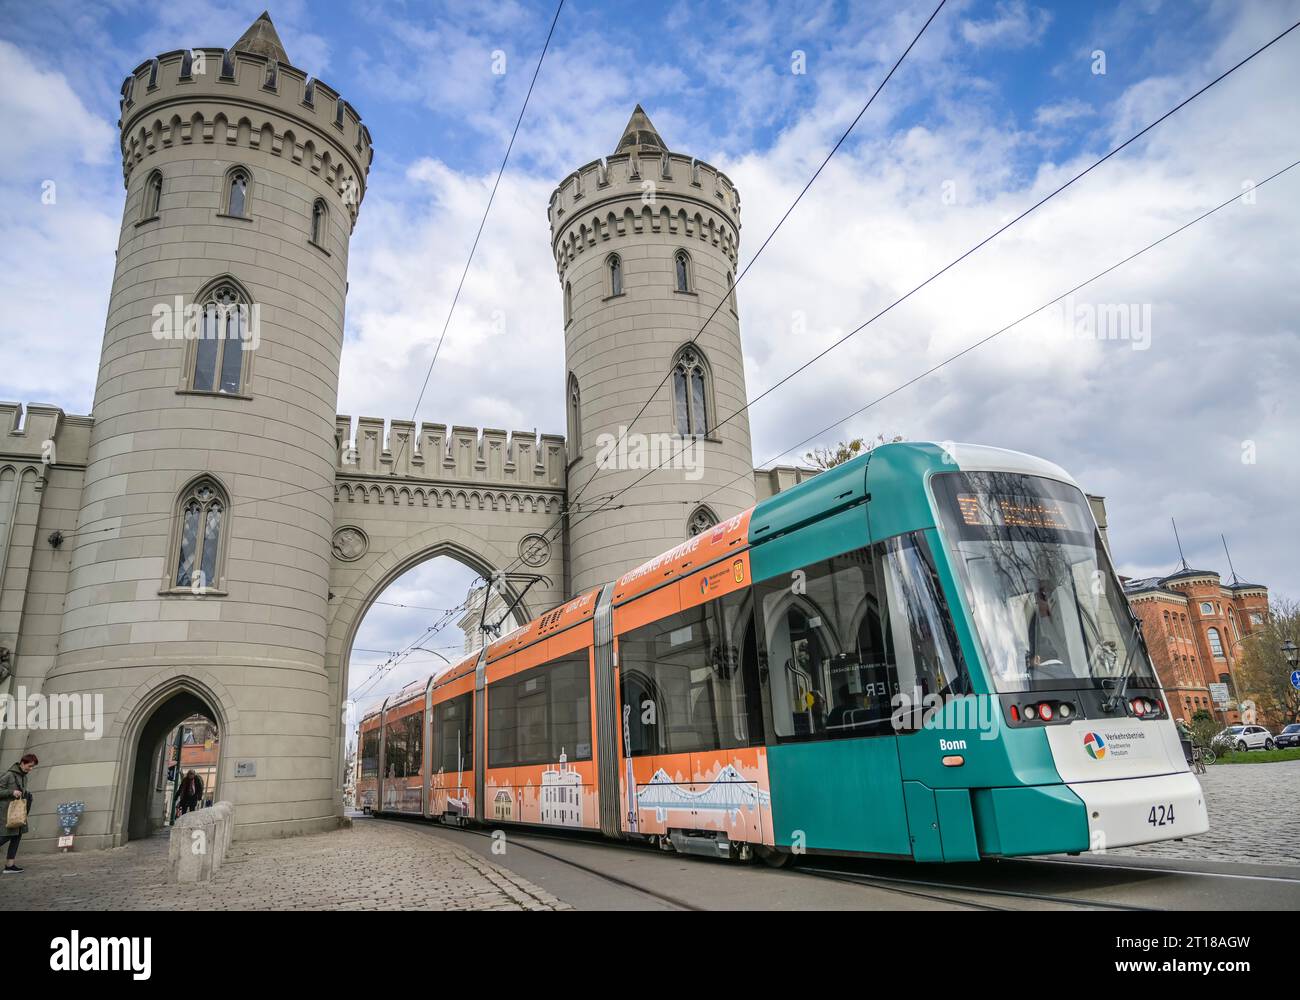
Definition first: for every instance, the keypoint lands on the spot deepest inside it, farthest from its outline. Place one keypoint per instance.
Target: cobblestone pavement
(372, 866)
(1254, 817)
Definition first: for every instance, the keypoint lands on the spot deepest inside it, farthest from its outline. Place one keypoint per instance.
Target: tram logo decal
(1095, 744)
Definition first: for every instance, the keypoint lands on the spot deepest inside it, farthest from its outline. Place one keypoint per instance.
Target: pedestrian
(1185, 738)
(13, 788)
(191, 792)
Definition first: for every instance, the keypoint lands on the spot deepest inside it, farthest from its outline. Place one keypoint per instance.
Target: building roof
(261, 39)
(1191, 572)
(640, 135)
(1151, 584)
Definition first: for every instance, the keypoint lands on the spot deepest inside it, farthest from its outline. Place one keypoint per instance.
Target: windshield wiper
(1135, 632)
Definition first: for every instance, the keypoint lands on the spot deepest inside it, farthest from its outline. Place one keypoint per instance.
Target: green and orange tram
(923, 653)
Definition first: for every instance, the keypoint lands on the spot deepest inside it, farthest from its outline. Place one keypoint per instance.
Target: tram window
(640, 712)
(919, 626)
(453, 735)
(830, 672)
(370, 754)
(691, 680)
(394, 750)
(537, 715)
(405, 750)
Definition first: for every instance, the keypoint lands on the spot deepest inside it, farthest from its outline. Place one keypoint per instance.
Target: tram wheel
(776, 859)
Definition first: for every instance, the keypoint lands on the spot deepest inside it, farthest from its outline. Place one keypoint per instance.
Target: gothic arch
(189, 687)
(348, 610)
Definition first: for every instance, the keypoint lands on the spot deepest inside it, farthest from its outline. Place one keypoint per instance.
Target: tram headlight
(1064, 710)
(1030, 713)
(1138, 706)
(1045, 711)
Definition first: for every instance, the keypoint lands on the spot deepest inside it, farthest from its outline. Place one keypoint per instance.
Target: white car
(1246, 738)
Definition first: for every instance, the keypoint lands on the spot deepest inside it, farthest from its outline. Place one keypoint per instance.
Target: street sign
(1295, 679)
(1219, 692)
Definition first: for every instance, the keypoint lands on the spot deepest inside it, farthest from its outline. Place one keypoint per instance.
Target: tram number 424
(1161, 815)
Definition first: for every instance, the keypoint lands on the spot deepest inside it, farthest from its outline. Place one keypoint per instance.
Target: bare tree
(828, 458)
(1264, 676)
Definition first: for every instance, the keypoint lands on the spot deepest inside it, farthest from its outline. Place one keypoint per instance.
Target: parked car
(1289, 736)
(1245, 738)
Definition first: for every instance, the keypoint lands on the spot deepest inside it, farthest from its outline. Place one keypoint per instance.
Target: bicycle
(1202, 757)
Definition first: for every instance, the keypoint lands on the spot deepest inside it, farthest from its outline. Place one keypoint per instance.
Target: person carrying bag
(17, 803)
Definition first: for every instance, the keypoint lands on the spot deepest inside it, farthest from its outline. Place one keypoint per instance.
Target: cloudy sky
(1192, 414)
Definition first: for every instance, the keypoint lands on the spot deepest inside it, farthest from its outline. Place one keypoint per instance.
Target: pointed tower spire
(640, 135)
(261, 39)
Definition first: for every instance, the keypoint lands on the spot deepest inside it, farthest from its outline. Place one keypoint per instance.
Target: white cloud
(1062, 113)
(1015, 25)
(40, 113)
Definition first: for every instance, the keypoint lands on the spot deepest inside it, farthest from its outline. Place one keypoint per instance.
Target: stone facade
(637, 210)
(210, 540)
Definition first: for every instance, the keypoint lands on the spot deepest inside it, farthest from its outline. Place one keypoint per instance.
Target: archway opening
(182, 735)
(421, 624)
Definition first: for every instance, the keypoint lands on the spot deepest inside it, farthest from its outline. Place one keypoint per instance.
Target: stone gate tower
(198, 574)
(645, 242)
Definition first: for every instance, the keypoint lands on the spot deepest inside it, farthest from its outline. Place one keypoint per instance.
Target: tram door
(829, 684)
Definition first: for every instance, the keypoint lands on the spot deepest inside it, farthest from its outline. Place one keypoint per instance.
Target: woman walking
(13, 788)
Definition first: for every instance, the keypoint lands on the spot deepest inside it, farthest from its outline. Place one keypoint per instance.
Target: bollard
(190, 851)
(229, 826)
(199, 841)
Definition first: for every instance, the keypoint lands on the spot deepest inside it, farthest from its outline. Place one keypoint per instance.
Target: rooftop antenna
(1231, 568)
(1182, 558)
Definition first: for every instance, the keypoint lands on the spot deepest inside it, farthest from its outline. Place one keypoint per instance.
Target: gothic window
(700, 521)
(1216, 644)
(682, 270)
(199, 533)
(614, 264)
(691, 393)
(152, 196)
(575, 417)
(237, 185)
(319, 217)
(731, 293)
(219, 352)
(568, 303)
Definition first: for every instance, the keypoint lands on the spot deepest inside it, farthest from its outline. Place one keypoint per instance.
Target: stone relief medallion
(534, 550)
(350, 544)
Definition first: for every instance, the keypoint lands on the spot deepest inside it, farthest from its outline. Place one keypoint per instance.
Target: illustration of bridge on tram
(729, 792)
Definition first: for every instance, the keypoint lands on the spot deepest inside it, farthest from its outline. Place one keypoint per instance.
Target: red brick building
(1195, 625)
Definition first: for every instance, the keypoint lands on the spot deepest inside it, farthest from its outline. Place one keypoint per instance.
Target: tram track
(676, 901)
(949, 893)
(887, 881)
(516, 841)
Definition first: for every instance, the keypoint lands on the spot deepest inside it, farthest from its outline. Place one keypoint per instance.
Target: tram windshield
(1048, 608)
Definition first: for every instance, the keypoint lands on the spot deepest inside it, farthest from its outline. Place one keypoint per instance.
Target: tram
(923, 653)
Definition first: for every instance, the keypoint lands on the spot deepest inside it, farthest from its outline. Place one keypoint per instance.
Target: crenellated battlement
(669, 192)
(47, 435)
(235, 98)
(434, 452)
